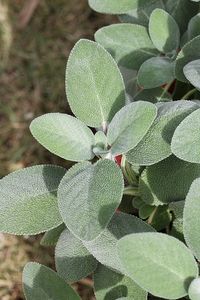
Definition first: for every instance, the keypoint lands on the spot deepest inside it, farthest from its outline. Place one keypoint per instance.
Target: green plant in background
(128, 210)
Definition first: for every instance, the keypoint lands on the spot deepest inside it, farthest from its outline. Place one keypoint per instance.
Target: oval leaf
(42, 283)
(192, 73)
(169, 260)
(88, 197)
(194, 289)
(129, 44)
(28, 202)
(94, 86)
(113, 6)
(130, 125)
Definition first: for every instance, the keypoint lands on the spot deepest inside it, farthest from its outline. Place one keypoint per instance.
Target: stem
(190, 93)
(150, 219)
(128, 172)
(131, 191)
(167, 87)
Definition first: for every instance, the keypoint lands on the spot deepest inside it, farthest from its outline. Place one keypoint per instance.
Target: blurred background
(36, 37)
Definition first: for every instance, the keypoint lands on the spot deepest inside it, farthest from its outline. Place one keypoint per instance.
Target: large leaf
(187, 54)
(88, 197)
(129, 44)
(42, 283)
(94, 85)
(192, 73)
(113, 6)
(73, 261)
(28, 202)
(164, 31)
(161, 264)
(104, 247)
(167, 181)
(64, 136)
(129, 126)
(109, 285)
(155, 72)
(155, 146)
(191, 220)
(185, 141)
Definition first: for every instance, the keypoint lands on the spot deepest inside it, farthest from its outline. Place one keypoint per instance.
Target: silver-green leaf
(192, 73)
(113, 6)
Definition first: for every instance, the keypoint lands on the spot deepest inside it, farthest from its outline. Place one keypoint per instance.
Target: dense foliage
(128, 210)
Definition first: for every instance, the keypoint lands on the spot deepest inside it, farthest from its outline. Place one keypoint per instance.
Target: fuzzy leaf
(64, 136)
(28, 202)
(169, 260)
(191, 220)
(113, 6)
(104, 248)
(177, 226)
(167, 181)
(73, 261)
(192, 73)
(155, 72)
(129, 44)
(164, 31)
(88, 197)
(155, 146)
(185, 141)
(194, 27)
(50, 238)
(42, 283)
(194, 289)
(130, 125)
(187, 54)
(94, 86)
(111, 285)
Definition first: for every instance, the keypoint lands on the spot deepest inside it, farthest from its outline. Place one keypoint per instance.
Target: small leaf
(42, 283)
(129, 44)
(28, 202)
(164, 31)
(111, 285)
(191, 220)
(104, 248)
(167, 181)
(194, 289)
(88, 197)
(185, 141)
(155, 146)
(130, 125)
(113, 6)
(144, 254)
(192, 73)
(50, 238)
(64, 136)
(155, 72)
(73, 261)
(94, 86)
(187, 54)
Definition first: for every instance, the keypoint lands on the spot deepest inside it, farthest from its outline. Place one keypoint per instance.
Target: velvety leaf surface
(42, 283)
(64, 136)
(155, 72)
(50, 238)
(88, 197)
(28, 202)
(129, 126)
(194, 290)
(185, 141)
(191, 220)
(192, 73)
(113, 6)
(155, 146)
(160, 264)
(164, 31)
(167, 181)
(129, 44)
(187, 54)
(193, 27)
(104, 247)
(73, 261)
(109, 285)
(94, 85)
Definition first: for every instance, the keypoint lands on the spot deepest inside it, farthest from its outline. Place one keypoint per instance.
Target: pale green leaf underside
(161, 264)
(94, 85)
(73, 261)
(104, 247)
(192, 73)
(111, 285)
(88, 197)
(28, 202)
(129, 44)
(129, 126)
(113, 6)
(186, 141)
(42, 283)
(191, 220)
(64, 136)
